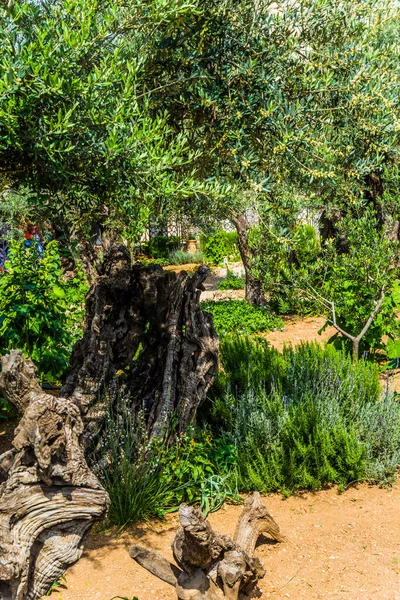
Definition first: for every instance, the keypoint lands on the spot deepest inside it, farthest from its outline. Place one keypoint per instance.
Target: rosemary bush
(304, 418)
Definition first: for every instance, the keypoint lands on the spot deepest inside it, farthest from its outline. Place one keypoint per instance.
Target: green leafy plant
(147, 479)
(304, 418)
(41, 313)
(220, 245)
(232, 282)
(239, 316)
(198, 466)
(160, 246)
(56, 586)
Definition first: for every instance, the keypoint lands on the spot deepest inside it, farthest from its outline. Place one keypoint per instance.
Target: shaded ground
(6, 434)
(342, 547)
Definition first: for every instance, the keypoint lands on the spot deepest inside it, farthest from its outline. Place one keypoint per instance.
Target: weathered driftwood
(49, 498)
(212, 566)
(145, 328)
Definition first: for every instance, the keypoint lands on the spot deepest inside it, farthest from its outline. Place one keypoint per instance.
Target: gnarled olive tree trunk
(147, 336)
(49, 498)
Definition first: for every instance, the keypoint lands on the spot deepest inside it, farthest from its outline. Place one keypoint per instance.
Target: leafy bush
(220, 245)
(179, 257)
(232, 282)
(285, 255)
(160, 246)
(305, 417)
(40, 312)
(239, 316)
(146, 479)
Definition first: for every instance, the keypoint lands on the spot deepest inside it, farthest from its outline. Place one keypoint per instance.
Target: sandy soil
(297, 330)
(338, 546)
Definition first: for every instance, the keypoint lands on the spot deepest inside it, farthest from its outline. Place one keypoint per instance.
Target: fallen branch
(212, 566)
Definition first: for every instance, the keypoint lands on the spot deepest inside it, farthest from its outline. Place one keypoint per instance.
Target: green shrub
(232, 282)
(220, 245)
(146, 479)
(179, 257)
(303, 418)
(161, 245)
(239, 316)
(40, 312)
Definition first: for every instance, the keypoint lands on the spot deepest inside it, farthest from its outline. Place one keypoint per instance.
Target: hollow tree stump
(146, 336)
(49, 498)
(212, 566)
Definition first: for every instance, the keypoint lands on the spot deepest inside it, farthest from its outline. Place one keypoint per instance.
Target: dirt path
(297, 330)
(339, 546)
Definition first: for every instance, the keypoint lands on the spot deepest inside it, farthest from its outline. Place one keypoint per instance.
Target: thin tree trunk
(356, 345)
(254, 293)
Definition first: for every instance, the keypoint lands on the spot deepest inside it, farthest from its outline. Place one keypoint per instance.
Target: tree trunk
(254, 293)
(355, 351)
(145, 328)
(49, 498)
(212, 566)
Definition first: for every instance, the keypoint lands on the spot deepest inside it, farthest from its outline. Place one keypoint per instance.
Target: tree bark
(147, 338)
(49, 498)
(212, 566)
(254, 293)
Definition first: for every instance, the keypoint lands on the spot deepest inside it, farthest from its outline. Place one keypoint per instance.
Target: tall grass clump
(147, 478)
(121, 461)
(304, 418)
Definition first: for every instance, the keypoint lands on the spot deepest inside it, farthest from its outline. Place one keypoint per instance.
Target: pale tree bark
(211, 566)
(254, 292)
(49, 498)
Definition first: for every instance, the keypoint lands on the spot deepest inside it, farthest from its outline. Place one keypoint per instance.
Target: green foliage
(41, 313)
(78, 131)
(220, 245)
(180, 257)
(146, 479)
(239, 316)
(57, 586)
(232, 282)
(358, 276)
(305, 417)
(160, 246)
(286, 255)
